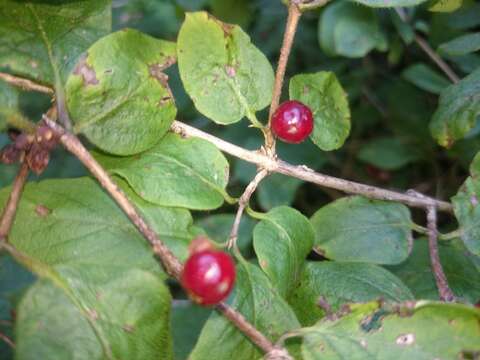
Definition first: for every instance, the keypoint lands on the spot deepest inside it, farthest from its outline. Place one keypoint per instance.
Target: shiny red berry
(292, 122)
(208, 276)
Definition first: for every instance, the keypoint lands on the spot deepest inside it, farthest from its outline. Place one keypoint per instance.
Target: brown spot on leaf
(405, 339)
(128, 328)
(42, 210)
(164, 100)
(86, 72)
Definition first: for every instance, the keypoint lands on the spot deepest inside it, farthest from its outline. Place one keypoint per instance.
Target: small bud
(10, 154)
(45, 136)
(23, 141)
(38, 158)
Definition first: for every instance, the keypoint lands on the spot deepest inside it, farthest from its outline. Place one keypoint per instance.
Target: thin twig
(242, 203)
(7, 340)
(425, 46)
(171, 264)
(25, 84)
(290, 29)
(249, 330)
(444, 290)
(304, 173)
(8, 214)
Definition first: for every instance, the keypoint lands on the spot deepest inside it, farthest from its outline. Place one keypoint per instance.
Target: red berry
(292, 121)
(208, 276)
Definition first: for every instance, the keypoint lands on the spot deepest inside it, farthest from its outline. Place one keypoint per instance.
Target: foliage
(328, 276)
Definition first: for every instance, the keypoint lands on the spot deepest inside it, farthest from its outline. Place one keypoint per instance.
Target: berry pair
(208, 274)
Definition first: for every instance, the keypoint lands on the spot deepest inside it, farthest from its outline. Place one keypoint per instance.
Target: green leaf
(118, 94)
(462, 45)
(389, 3)
(189, 173)
(387, 153)
(73, 221)
(282, 241)
(466, 17)
(340, 283)
(462, 275)
(425, 78)
(467, 209)
(458, 110)
(187, 322)
(8, 104)
(328, 101)
(256, 299)
(43, 40)
(349, 30)
(363, 230)
(226, 76)
(218, 228)
(426, 331)
(101, 313)
(445, 5)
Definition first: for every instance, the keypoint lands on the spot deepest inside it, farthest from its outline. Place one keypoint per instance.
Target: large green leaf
(343, 282)
(256, 299)
(73, 221)
(359, 229)
(42, 40)
(282, 241)
(189, 173)
(226, 76)
(325, 96)
(462, 275)
(118, 95)
(467, 209)
(425, 78)
(389, 3)
(8, 104)
(187, 322)
(78, 239)
(420, 332)
(97, 312)
(458, 110)
(347, 29)
(462, 45)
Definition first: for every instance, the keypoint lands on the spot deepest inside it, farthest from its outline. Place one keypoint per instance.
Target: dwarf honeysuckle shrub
(387, 100)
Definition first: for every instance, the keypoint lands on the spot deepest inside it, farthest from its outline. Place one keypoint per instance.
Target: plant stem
(171, 264)
(304, 173)
(444, 290)
(242, 203)
(8, 214)
(7, 340)
(425, 46)
(25, 84)
(290, 30)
